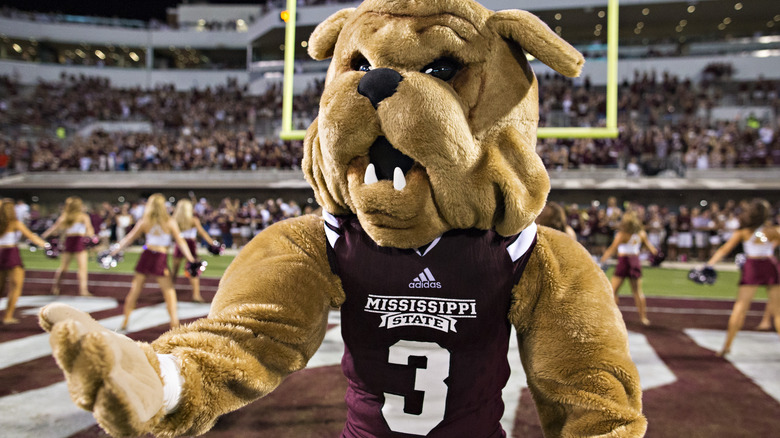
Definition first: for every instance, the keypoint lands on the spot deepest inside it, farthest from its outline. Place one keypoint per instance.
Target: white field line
(25, 349)
(690, 311)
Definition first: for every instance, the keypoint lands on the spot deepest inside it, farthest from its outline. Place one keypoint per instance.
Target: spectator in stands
(123, 221)
(684, 232)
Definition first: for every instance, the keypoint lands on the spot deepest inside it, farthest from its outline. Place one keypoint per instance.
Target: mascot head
(428, 118)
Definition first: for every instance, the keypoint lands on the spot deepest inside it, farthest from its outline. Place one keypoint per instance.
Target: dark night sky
(138, 9)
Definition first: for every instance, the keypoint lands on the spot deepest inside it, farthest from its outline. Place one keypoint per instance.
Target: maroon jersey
(684, 223)
(426, 331)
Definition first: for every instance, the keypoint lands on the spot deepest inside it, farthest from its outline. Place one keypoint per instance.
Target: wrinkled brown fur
(473, 139)
(573, 344)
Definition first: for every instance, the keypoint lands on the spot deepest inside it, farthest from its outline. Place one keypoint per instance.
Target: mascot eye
(360, 63)
(443, 68)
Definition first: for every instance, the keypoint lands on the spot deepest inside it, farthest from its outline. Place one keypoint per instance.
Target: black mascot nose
(379, 84)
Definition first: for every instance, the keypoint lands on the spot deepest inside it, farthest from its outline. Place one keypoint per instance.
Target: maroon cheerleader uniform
(9, 253)
(74, 238)
(760, 267)
(629, 265)
(75, 243)
(10, 258)
(154, 262)
(190, 236)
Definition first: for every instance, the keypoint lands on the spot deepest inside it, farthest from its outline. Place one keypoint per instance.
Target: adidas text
(425, 285)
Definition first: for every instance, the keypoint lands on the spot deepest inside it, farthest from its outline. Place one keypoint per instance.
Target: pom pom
(216, 248)
(91, 242)
(740, 260)
(193, 269)
(705, 275)
(108, 261)
(657, 259)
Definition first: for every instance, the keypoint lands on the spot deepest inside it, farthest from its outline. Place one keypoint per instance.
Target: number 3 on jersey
(429, 380)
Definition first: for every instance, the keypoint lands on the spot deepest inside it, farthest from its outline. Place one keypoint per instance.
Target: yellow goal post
(608, 131)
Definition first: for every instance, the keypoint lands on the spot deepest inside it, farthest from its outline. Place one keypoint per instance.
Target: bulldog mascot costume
(423, 159)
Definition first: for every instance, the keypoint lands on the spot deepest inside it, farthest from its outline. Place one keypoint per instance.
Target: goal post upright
(610, 130)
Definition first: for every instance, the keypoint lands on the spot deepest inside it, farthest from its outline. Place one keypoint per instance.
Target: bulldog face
(428, 118)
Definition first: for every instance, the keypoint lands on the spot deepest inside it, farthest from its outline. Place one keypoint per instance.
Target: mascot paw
(107, 373)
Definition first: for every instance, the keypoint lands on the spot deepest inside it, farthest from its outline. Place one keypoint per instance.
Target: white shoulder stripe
(429, 248)
(329, 218)
(520, 246)
(329, 233)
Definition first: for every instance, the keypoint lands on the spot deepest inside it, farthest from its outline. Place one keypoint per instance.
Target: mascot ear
(534, 36)
(323, 39)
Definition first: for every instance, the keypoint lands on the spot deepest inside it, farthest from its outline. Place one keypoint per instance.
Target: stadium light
(608, 131)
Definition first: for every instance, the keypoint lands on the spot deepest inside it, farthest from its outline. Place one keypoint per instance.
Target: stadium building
(208, 101)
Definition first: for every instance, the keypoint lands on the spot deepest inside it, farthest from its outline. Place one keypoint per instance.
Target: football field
(688, 390)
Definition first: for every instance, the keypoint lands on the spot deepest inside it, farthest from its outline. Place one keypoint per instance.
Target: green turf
(37, 260)
(663, 282)
(655, 282)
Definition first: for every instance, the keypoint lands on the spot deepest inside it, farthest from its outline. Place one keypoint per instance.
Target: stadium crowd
(683, 232)
(663, 125)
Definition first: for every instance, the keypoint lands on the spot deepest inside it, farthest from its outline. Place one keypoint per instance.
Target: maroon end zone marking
(527, 424)
(711, 398)
(309, 403)
(35, 374)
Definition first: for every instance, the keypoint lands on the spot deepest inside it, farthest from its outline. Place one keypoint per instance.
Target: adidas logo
(424, 281)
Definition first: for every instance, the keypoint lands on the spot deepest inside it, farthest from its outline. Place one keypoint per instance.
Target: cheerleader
(766, 318)
(11, 267)
(159, 230)
(628, 243)
(760, 269)
(191, 228)
(76, 226)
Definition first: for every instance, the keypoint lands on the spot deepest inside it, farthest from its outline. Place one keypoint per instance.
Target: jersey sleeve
(267, 319)
(574, 345)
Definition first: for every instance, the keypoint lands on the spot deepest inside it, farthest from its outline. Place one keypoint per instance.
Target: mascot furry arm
(423, 156)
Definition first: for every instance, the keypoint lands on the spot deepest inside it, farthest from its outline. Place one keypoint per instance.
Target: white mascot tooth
(370, 176)
(399, 181)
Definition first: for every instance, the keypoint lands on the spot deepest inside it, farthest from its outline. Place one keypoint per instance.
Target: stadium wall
(29, 73)
(571, 186)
